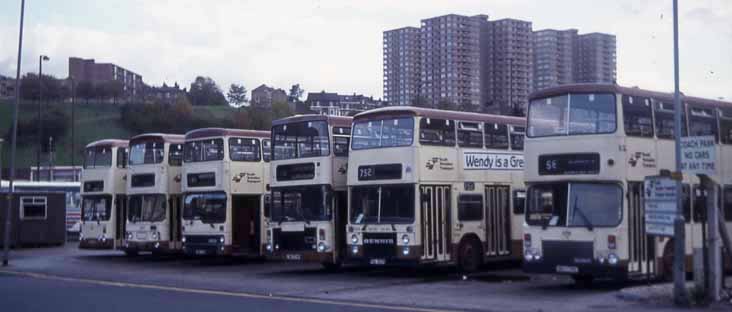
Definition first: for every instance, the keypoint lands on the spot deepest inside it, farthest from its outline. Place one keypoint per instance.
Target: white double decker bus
(589, 148)
(154, 194)
(225, 182)
(435, 187)
(309, 207)
(103, 195)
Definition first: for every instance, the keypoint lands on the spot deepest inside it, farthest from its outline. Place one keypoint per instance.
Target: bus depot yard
(497, 287)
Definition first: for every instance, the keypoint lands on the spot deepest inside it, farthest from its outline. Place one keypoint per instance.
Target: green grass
(94, 121)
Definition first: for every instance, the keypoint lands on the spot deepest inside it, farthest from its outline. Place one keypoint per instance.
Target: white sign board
(660, 205)
(698, 155)
(492, 161)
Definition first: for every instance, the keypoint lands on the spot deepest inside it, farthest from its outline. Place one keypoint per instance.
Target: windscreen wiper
(582, 214)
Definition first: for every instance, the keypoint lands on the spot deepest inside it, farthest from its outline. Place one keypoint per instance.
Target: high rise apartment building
(96, 73)
(402, 70)
(509, 73)
(564, 56)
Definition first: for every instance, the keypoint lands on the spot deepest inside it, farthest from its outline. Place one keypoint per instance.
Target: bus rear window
(241, 149)
(394, 132)
(574, 114)
(301, 140)
(637, 116)
(150, 152)
(437, 132)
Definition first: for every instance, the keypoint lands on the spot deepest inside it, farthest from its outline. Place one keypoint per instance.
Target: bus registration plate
(377, 261)
(293, 257)
(567, 269)
(200, 251)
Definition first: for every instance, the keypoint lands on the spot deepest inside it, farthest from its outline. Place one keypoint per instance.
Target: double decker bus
(435, 187)
(103, 195)
(589, 148)
(225, 182)
(308, 209)
(154, 193)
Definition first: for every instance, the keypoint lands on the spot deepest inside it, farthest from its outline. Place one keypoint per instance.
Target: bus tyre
(470, 256)
(131, 253)
(667, 261)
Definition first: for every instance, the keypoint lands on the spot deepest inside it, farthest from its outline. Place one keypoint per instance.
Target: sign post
(699, 156)
(660, 205)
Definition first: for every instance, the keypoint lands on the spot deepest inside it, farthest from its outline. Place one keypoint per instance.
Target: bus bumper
(301, 256)
(205, 245)
(595, 269)
(359, 256)
(93, 243)
(152, 246)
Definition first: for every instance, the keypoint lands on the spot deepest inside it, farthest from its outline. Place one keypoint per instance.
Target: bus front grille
(568, 252)
(295, 241)
(379, 245)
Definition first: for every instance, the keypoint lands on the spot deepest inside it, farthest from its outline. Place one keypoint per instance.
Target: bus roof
(395, 111)
(221, 132)
(172, 138)
(108, 143)
(26, 183)
(634, 91)
(335, 121)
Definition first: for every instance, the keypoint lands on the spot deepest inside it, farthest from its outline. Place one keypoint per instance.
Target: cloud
(337, 45)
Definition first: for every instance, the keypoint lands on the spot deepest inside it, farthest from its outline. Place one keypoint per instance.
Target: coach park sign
(698, 155)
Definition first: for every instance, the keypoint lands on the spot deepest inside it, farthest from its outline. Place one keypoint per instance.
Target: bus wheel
(470, 256)
(667, 262)
(331, 266)
(131, 253)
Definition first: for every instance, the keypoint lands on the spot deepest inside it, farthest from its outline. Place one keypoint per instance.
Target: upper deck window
(437, 132)
(150, 152)
(637, 116)
(517, 137)
(392, 132)
(725, 126)
(241, 149)
(204, 150)
(573, 114)
(665, 121)
(702, 122)
(175, 155)
(98, 157)
(266, 150)
(122, 155)
(469, 135)
(301, 140)
(496, 136)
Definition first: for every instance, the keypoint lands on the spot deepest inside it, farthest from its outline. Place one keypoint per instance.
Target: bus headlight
(277, 246)
(612, 259)
(528, 256)
(405, 239)
(321, 247)
(405, 250)
(354, 249)
(129, 235)
(221, 240)
(155, 235)
(269, 247)
(183, 240)
(354, 239)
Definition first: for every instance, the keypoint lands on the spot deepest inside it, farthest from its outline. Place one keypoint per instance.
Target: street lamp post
(14, 138)
(41, 58)
(73, 124)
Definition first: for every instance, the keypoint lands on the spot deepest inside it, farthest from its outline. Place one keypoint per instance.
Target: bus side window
(175, 155)
(700, 204)
(517, 138)
(121, 157)
(266, 150)
(637, 116)
(727, 198)
(470, 207)
(496, 136)
(437, 132)
(469, 135)
(519, 201)
(686, 201)
(725, 126)
(665, 121)
(702, 122)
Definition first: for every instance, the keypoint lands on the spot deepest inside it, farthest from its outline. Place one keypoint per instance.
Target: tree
(296, 92)
(205, 91)
(237, 95)
(52, 87)
(114, 89)
(85, 90)
(281, 110)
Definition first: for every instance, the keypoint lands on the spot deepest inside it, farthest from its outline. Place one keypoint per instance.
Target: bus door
(340, 219)
(641, 247)
(246, 212)
(120, 216)
(435, 208)
(498, 220)
(174, 218)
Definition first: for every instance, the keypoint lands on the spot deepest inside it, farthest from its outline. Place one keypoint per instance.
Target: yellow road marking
(219, 292)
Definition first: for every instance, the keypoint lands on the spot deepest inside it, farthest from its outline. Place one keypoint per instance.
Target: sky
(336, 46)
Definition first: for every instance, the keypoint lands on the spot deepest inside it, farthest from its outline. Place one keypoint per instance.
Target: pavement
(287, 286)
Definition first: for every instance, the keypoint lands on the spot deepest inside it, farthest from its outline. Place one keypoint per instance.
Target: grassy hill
(94, 121)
